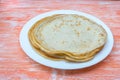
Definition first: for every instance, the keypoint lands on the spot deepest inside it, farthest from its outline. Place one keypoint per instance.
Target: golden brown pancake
(67, 36)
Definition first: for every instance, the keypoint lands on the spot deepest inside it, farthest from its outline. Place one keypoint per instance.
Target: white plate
(25, 44)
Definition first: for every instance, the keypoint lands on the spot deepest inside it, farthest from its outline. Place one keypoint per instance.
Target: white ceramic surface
(25, 44)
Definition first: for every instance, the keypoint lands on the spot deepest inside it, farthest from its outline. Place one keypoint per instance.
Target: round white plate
(25, 44)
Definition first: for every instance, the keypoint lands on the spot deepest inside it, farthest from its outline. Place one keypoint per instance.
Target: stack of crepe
(67, 37)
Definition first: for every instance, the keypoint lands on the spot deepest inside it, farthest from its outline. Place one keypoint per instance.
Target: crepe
(67, 36)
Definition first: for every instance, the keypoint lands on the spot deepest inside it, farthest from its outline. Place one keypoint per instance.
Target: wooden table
(16, 65)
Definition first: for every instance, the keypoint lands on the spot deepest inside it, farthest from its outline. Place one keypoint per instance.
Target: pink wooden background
(16, 65)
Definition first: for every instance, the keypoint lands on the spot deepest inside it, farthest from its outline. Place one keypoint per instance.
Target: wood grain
(16, 65)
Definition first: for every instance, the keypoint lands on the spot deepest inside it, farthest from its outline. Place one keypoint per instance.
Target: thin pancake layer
(70, 36)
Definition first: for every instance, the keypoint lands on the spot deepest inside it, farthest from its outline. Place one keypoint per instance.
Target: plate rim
(34, 57)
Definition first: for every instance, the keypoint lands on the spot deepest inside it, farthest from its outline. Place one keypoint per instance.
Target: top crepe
(68, 34)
